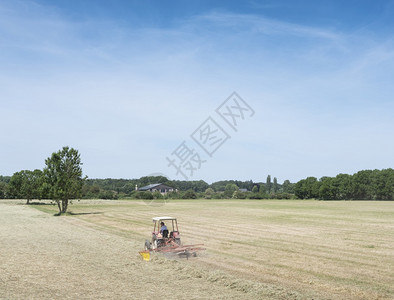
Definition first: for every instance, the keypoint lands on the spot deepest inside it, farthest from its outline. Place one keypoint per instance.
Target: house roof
(153, 185)
(148, 187)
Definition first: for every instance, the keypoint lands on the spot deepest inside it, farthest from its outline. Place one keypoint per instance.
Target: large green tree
(385, 185)
(288, 187)
(3, 190)
(363, 185)
(26, 184)
(328, 189)
(307, 188)
(230, 189)
(276, 186)
(343, 182)
(209, 192)
(268, 185)
(63, 173)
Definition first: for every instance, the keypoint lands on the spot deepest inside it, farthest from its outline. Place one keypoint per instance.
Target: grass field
(265, 249)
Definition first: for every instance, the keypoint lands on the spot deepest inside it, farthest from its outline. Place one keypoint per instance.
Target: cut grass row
(340, 248)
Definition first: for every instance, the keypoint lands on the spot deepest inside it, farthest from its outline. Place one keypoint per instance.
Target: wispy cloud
(266, 26)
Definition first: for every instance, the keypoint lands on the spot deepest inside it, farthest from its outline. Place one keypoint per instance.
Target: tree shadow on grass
(87, 213)
(40, 203)
(77, 214)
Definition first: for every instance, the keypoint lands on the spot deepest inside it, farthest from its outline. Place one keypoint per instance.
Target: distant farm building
(157, 187)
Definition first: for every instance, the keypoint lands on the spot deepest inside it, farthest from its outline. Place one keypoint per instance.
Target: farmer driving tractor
(164, 230)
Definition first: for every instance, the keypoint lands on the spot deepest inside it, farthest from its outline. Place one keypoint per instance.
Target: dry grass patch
(265, 249)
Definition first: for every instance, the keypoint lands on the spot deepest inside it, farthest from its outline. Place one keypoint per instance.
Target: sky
(147, 87)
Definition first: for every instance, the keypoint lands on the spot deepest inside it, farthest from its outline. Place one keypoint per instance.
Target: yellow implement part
(145, 255)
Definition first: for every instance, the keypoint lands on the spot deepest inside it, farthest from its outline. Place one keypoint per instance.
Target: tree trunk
(27, 201)
(58, 205)
(65, 204)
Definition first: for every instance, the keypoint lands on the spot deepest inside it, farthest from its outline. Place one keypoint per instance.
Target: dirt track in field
(47, 257)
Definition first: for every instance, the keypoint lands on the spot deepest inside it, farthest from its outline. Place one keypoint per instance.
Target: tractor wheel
(147, 245)
(155, 244)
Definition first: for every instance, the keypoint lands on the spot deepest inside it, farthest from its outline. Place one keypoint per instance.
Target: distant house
(157, 187)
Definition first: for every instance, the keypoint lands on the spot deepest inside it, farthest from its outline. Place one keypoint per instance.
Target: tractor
(161, 238)
(167, 240)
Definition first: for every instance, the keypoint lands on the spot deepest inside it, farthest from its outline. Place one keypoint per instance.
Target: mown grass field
(328, 250)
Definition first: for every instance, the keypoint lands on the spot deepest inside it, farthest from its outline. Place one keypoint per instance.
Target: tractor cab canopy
(171, 223)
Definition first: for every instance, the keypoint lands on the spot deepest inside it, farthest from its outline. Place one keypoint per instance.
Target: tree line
(363, 185)
(30, 185)
(126, 188)
(62, 180)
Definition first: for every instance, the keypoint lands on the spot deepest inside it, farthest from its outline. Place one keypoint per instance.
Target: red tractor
(165, 232)
(167, 240)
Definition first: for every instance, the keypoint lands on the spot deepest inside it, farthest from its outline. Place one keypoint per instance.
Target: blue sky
(126, 82)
